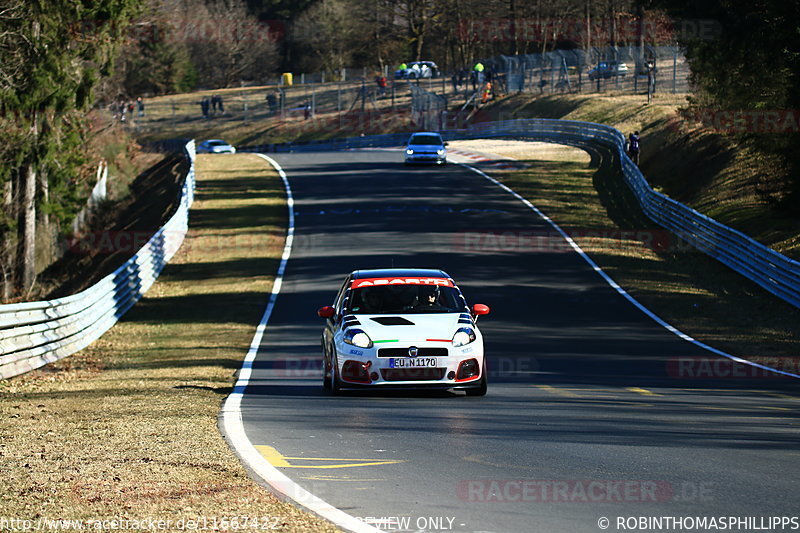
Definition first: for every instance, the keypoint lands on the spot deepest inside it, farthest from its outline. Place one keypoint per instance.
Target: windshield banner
(376, 282)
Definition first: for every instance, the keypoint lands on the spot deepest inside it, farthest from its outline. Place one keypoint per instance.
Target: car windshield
(425, 139)
(217, 143)
(392, 299)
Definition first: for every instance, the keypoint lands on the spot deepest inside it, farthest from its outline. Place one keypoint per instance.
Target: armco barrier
(33, 334)
(776, 273)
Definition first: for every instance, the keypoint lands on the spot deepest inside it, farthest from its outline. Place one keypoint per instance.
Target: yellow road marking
(322, 477)
(642, 391)
(560, 392)
(276, 459)
(585, 389)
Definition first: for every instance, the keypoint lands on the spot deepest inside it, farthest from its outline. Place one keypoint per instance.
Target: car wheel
(481, 389)
(325, 373)
(412, 76)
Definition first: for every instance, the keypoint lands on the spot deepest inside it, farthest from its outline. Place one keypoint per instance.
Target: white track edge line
(616, 286)
(231, 413)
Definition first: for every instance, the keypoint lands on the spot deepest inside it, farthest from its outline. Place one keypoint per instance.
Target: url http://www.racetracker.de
(202, 523)
(699, 523)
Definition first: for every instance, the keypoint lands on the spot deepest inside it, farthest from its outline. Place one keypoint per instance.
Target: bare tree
(226, 44)
(326, 30)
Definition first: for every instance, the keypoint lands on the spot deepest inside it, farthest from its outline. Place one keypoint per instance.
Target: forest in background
(61, 58)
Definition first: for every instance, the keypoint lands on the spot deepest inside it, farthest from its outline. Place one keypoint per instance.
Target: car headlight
(463, 337)
(357, 337)
(440, 151)
(409, 151)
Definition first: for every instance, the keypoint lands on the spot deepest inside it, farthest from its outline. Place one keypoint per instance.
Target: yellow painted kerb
(276, 459)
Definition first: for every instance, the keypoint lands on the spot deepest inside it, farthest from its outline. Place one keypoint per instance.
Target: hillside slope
(731, 182)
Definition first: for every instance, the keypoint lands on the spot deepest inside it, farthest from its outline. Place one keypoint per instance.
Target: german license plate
(409, 362)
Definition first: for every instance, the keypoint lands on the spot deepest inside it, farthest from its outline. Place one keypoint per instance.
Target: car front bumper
(454, 371)
(426, 158)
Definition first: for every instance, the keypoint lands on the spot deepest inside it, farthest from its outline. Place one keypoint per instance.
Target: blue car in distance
(426, 147)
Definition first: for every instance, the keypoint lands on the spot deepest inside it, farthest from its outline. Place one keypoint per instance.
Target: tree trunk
(640, 36)
(26, 257)
(512, 11)
(43, 228)
(588, 29)
(6, 248)
(612, 24)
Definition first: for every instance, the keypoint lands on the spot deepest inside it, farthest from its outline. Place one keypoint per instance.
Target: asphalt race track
(590, 413)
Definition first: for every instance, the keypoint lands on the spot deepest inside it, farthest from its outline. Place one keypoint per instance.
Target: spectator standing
(487, 92)
(381, 82)
(633, 147)
(204, 106)
(272, 102)
(477, 70)
(140, 106)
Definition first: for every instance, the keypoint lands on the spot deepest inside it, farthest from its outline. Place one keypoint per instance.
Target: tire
(325, 383)
(481, 389)
(334, 385)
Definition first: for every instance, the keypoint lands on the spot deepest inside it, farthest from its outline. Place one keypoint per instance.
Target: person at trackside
(633, 147)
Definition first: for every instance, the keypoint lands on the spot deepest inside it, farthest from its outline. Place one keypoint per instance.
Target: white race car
(402, 328)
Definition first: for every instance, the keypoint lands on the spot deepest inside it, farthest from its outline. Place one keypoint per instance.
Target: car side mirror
(326, 312)
(480, 309)
(446, 144)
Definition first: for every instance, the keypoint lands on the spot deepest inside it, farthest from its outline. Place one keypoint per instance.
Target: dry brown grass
(128, 428)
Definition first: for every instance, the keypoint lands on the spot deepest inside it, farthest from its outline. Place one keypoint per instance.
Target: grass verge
(127, 428)
(585, 195)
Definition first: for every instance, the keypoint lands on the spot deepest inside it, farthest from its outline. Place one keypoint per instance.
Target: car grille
(403, 352)
(412, 374)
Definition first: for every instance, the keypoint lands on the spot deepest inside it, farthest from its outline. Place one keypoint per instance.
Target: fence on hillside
(598, 70)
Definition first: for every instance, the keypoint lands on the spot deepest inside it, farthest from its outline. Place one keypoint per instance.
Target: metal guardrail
(33, 334)
(774, 272)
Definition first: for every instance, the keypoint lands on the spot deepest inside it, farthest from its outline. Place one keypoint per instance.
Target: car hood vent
(392, 321)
